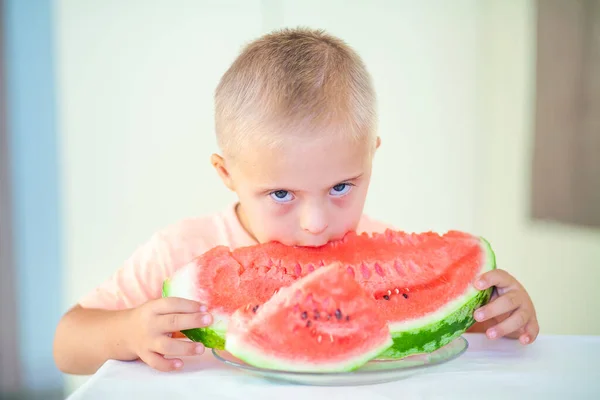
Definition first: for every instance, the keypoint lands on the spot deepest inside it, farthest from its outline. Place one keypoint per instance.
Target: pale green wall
(559, 265)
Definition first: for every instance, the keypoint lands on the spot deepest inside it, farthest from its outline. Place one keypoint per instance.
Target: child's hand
(152, 325)
(510, 309)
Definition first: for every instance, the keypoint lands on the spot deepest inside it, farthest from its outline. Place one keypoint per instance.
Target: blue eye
(281, 196)
(340, 189)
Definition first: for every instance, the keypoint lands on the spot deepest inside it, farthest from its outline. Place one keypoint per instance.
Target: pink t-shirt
(140, 278)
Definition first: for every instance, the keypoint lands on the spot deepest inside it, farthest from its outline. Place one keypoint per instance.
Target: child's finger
(517, 320)
(174, 347)
(531, 332)
(160, 363)
(497, 277)
(179, 322)
(502, 305)
(171, 305)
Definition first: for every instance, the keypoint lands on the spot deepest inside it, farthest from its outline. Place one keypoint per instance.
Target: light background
(455, 81)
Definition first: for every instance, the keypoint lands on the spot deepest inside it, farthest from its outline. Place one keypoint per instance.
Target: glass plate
(375, 371)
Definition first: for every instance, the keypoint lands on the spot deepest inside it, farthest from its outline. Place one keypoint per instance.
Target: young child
(296, 123)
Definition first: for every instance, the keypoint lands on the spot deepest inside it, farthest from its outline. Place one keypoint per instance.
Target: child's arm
(126, 318)
(86, 338)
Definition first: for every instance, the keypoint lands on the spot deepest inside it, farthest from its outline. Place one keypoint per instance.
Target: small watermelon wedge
(324, 322)
(421, 282)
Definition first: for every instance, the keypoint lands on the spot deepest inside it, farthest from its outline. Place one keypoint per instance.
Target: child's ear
(219, 165)
(378, 143)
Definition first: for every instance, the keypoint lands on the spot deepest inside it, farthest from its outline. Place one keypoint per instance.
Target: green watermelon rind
(213, 336)
(208, 337)
(253, 356)
(431, 333)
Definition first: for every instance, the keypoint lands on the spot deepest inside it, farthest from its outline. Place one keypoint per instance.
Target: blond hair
(294, 81)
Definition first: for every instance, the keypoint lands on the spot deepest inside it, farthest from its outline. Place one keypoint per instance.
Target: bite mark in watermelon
(422, 283)
(324, 322)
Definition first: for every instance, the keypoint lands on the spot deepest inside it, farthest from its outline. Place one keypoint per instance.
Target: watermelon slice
(324, 322)
(421, 282)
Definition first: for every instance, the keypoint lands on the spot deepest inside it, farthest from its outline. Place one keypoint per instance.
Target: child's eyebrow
(350, 179)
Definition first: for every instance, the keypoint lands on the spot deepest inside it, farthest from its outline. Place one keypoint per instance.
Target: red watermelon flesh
(388, 264)
(422, 283)
(324, 322)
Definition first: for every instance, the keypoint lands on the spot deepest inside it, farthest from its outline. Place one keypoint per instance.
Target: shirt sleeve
(138, 280)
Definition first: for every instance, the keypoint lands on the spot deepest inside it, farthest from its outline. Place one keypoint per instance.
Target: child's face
(305, 194)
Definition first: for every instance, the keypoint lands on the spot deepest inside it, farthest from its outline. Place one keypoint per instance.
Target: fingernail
(203, 308)
(200, 349)
(206, 319)
(526, 339)
(177, 364)
(479, 315)
(492, 333)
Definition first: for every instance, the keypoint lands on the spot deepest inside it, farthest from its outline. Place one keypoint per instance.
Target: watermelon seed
(308, 323)
(254, 308)
(338, 314)
(396, 291)
(351, 271)
(304, 315)
(347, 318)
(386, 297)
(319, 339)
(389, 292)
(405, 295)
(331, 338)
(317, 314)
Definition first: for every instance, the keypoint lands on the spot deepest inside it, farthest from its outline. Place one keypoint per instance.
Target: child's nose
(314, 221)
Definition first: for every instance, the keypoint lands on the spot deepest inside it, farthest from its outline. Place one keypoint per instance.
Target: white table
(553, 367)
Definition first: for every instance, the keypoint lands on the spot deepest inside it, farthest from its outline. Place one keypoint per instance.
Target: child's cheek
(346, 203)
(278, 218)
(341, 202)
(278, 225)
(348, 212)
(279, 210)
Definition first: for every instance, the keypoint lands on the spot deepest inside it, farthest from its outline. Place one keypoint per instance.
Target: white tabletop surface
(553, 367)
